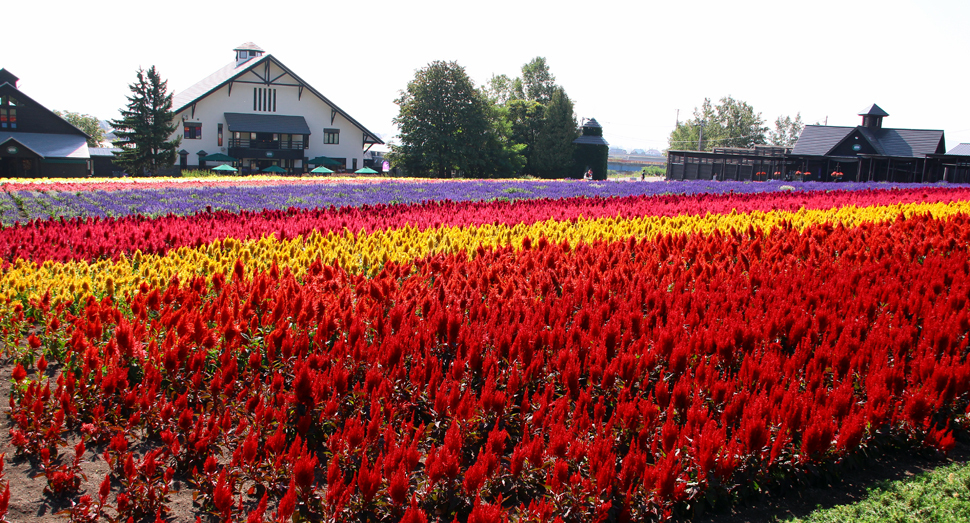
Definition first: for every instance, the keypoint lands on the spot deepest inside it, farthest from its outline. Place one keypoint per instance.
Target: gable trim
(18, 142)
(855, 132)
(265, 61)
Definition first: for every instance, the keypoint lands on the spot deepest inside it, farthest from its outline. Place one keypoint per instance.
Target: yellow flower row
(366, 252)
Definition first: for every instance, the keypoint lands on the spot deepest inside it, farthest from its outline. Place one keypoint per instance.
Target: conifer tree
(553, 155)
(145, 126)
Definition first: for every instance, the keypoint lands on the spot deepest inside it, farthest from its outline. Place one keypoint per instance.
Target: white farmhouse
(261, 113)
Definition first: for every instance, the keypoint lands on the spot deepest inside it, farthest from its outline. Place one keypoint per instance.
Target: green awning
(324, 160)
(266, 123)
(322, 170)
(365, 170)
(219, 157)
(274, 169)
(224, 167)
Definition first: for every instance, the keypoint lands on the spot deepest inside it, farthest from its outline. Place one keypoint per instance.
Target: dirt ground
(29, 503)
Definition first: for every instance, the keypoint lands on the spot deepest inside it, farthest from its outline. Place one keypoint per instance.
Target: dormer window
(8, 112)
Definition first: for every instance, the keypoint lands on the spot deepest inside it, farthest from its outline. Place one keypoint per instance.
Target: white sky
(630, 65)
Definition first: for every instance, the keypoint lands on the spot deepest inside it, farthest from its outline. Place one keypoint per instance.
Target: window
(264, 99)
(8, 112)
(331, 136)
(355, 164)
(192, 131)
(219, 133)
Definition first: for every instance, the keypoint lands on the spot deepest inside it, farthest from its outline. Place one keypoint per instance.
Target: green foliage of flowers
(942, 495)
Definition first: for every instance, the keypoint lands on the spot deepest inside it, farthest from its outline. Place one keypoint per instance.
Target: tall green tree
(500, 89)
(554, 146)
(526, 120)
(501, 156)
(447, 126)
(730, 123)
(145, 126)
(537, 83)
(787, 130)
(87, 123)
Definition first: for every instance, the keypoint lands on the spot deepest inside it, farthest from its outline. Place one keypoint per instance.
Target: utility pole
(700, 136)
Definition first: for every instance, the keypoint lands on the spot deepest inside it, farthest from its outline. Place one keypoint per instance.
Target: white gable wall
(210, 110)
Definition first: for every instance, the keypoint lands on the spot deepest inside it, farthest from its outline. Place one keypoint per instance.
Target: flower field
(629, 352)
(28, 200)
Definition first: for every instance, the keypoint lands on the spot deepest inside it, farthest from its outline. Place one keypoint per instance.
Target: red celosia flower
(368, 480)
(19, 373)
(487, 513)
(287, 504)
(668, 472)
(304, 471)
(398, 487)
(413, 514)
(4, 500)
(303, 386)
(222, 495)
(105, 489)
(475, 475)
(256, 516)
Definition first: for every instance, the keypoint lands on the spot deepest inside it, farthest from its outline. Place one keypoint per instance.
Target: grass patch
(941, 495)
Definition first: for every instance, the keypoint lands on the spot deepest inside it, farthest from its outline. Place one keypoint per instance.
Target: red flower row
(610, 380)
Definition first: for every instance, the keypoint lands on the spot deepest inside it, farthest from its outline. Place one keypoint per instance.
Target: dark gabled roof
(20, 95)
(6, 77)
(818, 140)
(103, 151)
(266, 123)
(591, 140)
(874, 110)
(960, 150)
(223, 76)
(912, 143)
(48, 145)
(592, 123)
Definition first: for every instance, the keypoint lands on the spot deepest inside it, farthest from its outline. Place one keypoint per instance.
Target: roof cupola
(247, 51)
(872, 117)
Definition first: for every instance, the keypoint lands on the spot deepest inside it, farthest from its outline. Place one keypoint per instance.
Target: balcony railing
(265, 144)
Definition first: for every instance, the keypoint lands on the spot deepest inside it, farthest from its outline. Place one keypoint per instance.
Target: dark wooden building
(867, 152)
(592, 150)
(102, 162)
(35, 142)
(726, 163)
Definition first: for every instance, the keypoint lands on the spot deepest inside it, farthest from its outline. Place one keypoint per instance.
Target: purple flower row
(27, 205)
